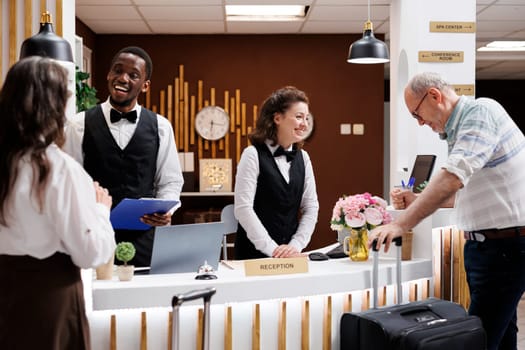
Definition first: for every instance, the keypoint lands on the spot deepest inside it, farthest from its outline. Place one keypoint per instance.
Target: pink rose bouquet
(359, 211)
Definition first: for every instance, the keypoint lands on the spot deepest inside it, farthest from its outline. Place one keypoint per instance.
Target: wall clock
(212, 123)
(310, 127)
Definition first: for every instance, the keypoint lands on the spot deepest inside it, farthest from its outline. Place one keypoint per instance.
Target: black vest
(128, 172)
(276, 202)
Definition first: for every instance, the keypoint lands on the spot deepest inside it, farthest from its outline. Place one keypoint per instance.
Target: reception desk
(323, 277)
(295, 311)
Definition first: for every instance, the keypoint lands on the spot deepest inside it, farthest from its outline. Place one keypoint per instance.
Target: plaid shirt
(486, 152)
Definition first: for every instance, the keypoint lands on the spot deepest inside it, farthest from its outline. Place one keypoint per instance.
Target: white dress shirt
(246, 186)
(168, 177)
(70, 222)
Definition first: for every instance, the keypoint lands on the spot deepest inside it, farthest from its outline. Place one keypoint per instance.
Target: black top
(276, 203)
(128, 172)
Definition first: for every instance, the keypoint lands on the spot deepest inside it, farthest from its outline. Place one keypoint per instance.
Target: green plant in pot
(124, 252)
(86, 95)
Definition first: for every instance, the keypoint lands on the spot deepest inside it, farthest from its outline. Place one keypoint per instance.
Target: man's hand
(157, 219)
(386, 234)
(402, 198)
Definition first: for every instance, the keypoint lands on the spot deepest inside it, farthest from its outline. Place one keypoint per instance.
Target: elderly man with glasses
(484, 178)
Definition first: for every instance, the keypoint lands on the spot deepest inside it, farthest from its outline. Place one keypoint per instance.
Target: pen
(411, 182)
(403, 183)
(227, 265)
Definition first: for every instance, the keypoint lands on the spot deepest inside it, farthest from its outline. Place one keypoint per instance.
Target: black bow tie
(290, 155)
(115, 116)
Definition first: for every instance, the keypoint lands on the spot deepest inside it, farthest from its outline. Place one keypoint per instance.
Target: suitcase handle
(398, 242)
(177, 301)
(205, 294)
(375, 270)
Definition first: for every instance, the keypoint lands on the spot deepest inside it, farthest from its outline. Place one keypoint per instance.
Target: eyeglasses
(414, 112)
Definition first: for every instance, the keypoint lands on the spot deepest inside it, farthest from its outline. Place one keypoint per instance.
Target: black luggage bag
(427, 324)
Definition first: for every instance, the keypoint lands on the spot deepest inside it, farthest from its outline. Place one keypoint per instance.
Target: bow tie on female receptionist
(115, 116)
(290, 155)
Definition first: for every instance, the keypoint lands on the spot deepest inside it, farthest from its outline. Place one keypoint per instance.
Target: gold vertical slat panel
(281, 330)
(192, 119)
(176, 108)
(212, 96)
(227, 146)
(327, 324)
(425, 290)
(365, 303)
(59, 18)
(28, 19)
(237, 107)
(237, 145)
(169, 115)
(256, 327)
(446, 264)
(200, 94)
(13, 44)
(143, 331)
(113, 333)
(170, 330)
(305, 325)
(412, 294)
(255, 111)
(162, 96)
(243, 118)
(200, 329)
(228, 329)
(186, 117)
(43, 6)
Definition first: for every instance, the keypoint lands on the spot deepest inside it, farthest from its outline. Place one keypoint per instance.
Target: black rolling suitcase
(427, 324)
(177, 301)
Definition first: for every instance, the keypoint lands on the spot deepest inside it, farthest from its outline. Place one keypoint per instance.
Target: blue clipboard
(126, 215)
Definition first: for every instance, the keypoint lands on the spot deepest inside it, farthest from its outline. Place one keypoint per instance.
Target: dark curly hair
(278, 102)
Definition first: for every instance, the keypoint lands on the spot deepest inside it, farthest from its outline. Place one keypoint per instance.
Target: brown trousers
(42, 304)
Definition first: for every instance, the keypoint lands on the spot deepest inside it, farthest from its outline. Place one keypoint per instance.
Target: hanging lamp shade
(368, 49)
(46, 43)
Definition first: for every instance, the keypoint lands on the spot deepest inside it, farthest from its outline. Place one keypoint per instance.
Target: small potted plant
(124, 252)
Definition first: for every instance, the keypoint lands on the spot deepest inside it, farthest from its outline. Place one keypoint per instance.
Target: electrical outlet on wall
(359, 129)
(346, 129)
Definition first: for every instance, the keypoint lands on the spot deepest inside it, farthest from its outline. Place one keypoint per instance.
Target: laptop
(422, 169)
(184, 248)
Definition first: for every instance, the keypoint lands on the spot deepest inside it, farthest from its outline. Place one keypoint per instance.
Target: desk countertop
(323, 277)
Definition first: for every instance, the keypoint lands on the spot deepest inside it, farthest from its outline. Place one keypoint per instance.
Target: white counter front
(324, 277)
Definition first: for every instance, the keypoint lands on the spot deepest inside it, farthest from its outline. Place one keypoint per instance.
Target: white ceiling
(496, 19)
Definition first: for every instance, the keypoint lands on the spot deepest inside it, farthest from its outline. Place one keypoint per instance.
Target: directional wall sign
(440, 56)
(452, 27)
(464, 89)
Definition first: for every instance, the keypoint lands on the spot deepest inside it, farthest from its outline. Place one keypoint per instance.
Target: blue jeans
(496, 278)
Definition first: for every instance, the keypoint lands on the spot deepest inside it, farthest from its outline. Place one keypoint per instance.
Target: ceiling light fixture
(46, 43)
(368, 49)
(265, 12)
(504, 46)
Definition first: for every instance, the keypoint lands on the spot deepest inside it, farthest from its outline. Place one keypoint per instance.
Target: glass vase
(358, 244)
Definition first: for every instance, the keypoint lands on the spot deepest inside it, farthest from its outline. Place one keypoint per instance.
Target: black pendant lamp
(368, 49)
(46, 43)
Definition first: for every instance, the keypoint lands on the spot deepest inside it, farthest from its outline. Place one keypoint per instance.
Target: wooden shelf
(206, 194)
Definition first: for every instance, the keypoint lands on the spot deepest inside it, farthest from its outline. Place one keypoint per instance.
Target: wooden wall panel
(245, 69)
